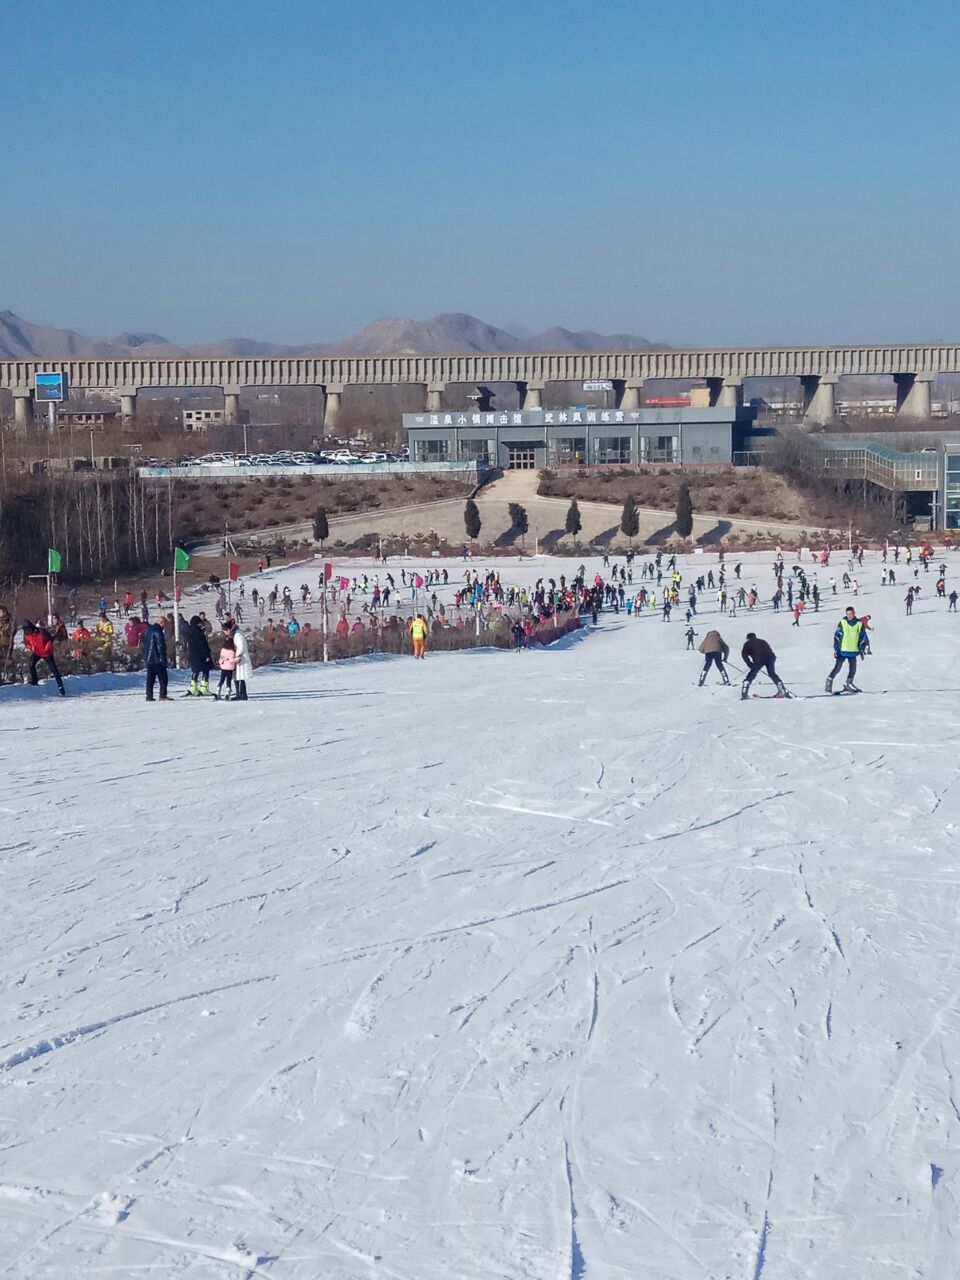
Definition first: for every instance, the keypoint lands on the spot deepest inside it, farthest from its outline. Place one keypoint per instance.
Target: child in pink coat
(227, 662)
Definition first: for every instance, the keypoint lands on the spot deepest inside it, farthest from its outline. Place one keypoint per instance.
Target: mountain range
(456, 332)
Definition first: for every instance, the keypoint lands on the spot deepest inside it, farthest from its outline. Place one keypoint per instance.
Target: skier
(690, 633)
(908, 598)
(519, 634)
(39, 642)
(758, 656)
(849, 644)
(227, 662)
(865, 619)
(201, 659)
(715, 652)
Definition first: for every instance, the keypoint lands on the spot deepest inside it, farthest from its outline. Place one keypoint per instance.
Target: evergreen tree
(518, 520)
(630, 519)
(684, 511)
(321, 526)
(573, 523)
(471, 520)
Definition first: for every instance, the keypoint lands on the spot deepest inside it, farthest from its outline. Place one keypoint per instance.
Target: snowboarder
(715, 651)
(849, 644)
(758, 656)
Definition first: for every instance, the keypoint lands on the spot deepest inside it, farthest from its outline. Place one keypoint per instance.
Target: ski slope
(545, 966)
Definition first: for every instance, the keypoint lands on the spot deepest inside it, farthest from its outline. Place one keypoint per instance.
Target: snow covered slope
(536, 966)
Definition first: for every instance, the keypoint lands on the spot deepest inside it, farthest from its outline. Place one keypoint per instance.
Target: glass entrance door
(522, 457)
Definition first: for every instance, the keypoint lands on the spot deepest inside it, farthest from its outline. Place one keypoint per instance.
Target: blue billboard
(50, 387)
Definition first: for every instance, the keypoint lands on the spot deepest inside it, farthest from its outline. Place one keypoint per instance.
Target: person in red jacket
(134, 632)
(39, 642)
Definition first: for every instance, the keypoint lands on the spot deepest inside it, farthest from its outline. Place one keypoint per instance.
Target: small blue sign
(50, 387)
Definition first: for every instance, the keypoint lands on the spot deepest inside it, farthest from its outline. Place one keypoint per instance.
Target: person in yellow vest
(849, 643)
(103, 632)
(418, 634)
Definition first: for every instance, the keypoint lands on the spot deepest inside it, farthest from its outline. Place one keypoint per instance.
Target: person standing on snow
(244, 668)
(227, 662)
(39, 642)
(418, 634)
(758, 656)
(155, 658)
(201, 659)
(849, 644)
(715, 651)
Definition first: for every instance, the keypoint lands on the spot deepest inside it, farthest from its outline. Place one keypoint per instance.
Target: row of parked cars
(291, 458)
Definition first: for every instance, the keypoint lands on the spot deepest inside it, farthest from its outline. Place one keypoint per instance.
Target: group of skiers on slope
(850, 642)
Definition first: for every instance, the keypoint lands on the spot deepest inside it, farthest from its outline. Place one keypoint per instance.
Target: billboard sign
(598, 384)
(50, 387)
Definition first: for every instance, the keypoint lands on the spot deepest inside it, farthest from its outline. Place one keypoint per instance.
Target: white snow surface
(547, 965)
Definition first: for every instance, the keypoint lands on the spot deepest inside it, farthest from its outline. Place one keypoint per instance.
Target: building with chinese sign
(533, 438)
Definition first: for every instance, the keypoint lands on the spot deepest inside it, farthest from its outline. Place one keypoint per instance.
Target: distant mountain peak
(454, 332)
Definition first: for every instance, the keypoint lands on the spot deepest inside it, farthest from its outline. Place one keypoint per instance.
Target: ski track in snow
(491, 966)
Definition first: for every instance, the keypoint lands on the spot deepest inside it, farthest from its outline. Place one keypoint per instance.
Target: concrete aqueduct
(818, 369)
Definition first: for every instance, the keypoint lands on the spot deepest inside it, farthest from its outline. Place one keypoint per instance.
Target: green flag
(181, 560)
(53, 561)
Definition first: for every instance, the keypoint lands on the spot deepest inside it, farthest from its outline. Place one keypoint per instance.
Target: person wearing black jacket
(154, 645)
(201, 659)
(758, 657)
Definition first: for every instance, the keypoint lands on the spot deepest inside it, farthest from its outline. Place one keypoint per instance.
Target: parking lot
(284, 458)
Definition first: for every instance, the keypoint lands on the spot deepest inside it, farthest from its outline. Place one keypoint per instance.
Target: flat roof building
(87, 417)
(535, 438)
(201, 419)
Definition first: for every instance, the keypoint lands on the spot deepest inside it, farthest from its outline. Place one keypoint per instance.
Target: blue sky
(705, 173)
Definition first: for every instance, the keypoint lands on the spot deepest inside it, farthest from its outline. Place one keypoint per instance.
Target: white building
(200, 419)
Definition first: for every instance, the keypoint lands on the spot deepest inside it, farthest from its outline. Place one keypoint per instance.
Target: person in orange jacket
(418, 634)
(79, 634)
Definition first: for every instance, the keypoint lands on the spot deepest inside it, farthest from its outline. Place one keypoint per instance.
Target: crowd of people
(372, 611)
